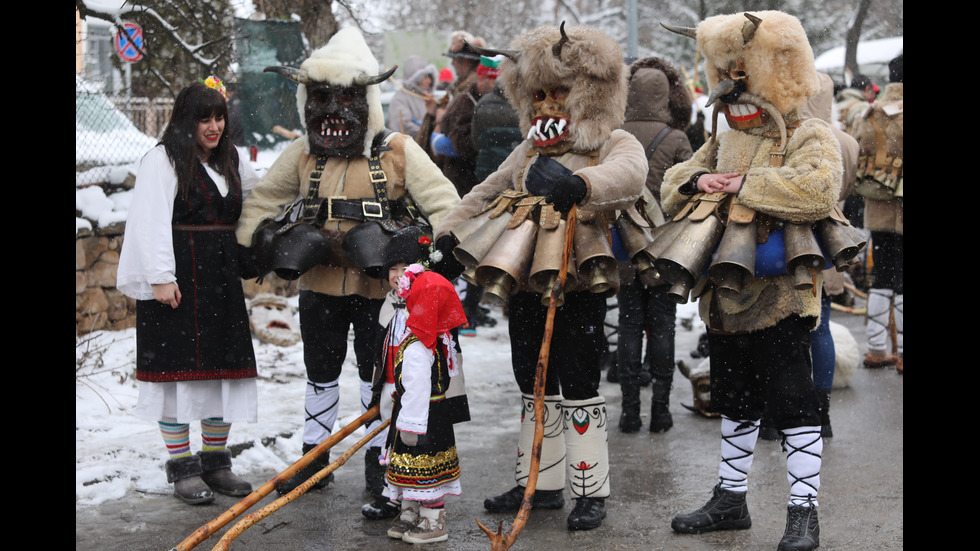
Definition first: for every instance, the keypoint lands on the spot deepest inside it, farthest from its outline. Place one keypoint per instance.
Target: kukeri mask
(336, 119)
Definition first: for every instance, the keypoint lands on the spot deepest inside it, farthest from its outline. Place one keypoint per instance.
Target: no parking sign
(129, 49)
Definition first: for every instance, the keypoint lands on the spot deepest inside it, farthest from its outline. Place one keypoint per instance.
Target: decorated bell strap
(311, 205)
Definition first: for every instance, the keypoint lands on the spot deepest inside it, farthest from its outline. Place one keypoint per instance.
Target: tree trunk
(853, 37)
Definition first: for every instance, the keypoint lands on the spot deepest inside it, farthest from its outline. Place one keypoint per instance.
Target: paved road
(656, 476)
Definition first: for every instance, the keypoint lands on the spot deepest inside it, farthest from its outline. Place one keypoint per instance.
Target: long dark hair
(194, 103)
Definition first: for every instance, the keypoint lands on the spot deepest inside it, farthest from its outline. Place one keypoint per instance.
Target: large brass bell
(838, 242)
(688, 254)
(469, 274)
(734, 262)
(548, 249)
(477, 236)
(804, 259)
(501, 270)
(661, 238)
(595, 261)
(635, 239)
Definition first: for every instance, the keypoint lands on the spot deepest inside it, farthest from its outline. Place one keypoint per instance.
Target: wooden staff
(210, 528)
(251, 519)
(502, 541)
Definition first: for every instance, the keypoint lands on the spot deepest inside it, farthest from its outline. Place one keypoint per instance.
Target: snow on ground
(118, 455)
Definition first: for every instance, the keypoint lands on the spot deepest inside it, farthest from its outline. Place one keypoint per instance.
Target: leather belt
(360, 210)
(352, 209)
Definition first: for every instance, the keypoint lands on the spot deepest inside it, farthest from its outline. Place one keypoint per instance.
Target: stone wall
(100, 306)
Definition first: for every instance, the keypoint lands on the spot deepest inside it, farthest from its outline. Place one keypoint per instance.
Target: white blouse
(147, 256)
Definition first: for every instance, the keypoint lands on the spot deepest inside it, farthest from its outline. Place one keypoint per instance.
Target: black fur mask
(336, 119)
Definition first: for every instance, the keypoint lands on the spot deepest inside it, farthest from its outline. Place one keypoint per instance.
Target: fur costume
(788, 173)
(340, 80)
(569, 90)
(807, 185)
(410, 172)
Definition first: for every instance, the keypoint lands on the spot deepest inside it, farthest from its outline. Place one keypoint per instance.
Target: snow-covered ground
(118, 456)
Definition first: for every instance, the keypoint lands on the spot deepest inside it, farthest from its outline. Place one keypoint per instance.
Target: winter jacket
(496, 132)
(804, 189)
(409, 172)
(647, 114)
(407, 107)
(457, 125)
(884, 216)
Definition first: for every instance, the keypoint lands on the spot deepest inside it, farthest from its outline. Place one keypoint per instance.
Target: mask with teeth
(272, 320)
(336, 119)
(740, 111)
(549, 124)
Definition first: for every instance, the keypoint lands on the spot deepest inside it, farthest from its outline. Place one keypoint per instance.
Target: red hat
(446, 75)
(433, 308)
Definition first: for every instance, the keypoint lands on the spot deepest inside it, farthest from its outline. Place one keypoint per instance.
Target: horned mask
(568, 86)
(338, 96)
(759, 65)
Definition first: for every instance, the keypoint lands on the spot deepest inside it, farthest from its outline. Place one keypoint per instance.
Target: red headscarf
(433, 308)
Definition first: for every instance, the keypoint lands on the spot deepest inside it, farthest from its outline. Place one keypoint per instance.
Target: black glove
(448, 267)
(549, 178)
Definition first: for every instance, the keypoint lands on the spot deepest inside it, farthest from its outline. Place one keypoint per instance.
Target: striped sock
(439, 504)
(176, 436)
(214, 433)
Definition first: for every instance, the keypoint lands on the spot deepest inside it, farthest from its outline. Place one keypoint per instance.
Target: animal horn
(556, 49)
(367, 80)
(296, 75)
(690, 32)
(723, 88)
(513, 55)
(749, 27)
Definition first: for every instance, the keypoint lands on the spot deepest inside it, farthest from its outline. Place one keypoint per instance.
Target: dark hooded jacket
(655, 102)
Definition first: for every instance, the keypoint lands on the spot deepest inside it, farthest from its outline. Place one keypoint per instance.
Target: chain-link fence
(115, 131)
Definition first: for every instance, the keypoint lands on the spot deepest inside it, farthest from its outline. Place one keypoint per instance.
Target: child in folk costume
(420, 359)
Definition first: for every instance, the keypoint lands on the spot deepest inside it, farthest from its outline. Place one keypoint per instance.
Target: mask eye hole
(540, 95)
(559, 92)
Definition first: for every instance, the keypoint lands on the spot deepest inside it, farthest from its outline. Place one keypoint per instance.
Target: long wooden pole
(251, 519)
(251, 499)
(501, 541)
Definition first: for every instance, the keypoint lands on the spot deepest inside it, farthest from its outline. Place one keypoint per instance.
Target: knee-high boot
(551, 473)
(587, 461)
